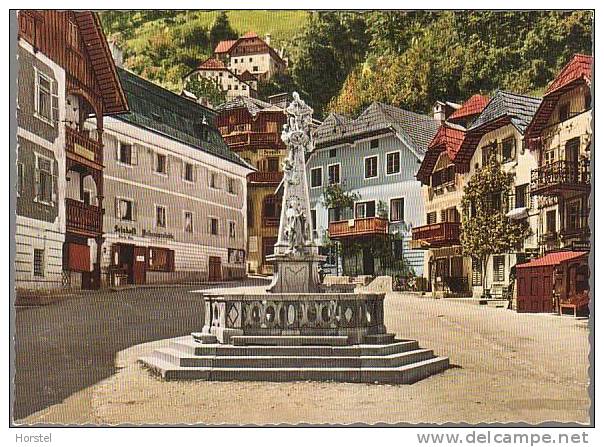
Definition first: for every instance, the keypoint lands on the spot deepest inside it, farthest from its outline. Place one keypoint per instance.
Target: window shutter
(167, 164)
(53, 190)
(117, 150)
(134, 154)
(134, 211)
(117, 208)
(37, 182)
(36, 90)
(54, 113)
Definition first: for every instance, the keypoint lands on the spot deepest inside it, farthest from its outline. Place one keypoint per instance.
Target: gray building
(375, 157)
(175, 193)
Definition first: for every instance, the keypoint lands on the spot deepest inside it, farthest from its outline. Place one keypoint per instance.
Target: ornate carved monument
(296, 329)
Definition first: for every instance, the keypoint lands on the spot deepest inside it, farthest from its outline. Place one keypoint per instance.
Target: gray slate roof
(418, 130)
(159, 110)
(519, 108)
(253, 105)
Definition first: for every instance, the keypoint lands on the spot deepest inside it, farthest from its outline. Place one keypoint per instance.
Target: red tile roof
(579, 67)
(224, 46)
(553, 259)
(212, 64)
(446, 139)
(473, 106)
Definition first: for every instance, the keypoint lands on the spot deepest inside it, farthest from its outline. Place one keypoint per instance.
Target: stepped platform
(281, 359)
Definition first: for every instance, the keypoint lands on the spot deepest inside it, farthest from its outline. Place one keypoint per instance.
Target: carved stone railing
(354, 315)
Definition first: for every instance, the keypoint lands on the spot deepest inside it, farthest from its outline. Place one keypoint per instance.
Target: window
(316, 177)
(38, 262)
(19, 178)
(564, 112)
(397, 210)
(214, 180)
(488, 152)
(160, 216)
(431, 218)
(313, 219)
(573, 215)
(255, 68)
(161, 164)
(374, 144)
(270, 211)
(213, 226)
(364, 209)
(231, 186)
(189, 172)
(548, 157)
(498, 268)
(334, 214)
(124, 209)
(43, 103)
(125, 153)
(522, 197)
(272, 164)
(587, 101)
(333, 172)
(371, 167)
(332, 153)
(251, 59)
(188, 215)
(443, 176)
(161, 259)
(393, 163)
(232, 229)
(508, 149)
(550, 221)
(243, 87)
(476, 272)
(236, 86)
(44, 180)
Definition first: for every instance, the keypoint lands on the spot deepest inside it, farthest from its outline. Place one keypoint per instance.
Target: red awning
(78, 257)
(553, 259)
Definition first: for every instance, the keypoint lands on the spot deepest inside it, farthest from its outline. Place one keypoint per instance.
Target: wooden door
(548, 292)
(139, 265)
(214, 269)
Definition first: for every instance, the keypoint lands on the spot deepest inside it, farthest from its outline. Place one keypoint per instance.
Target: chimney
(438, 111)
(116, 52)
(267, 39)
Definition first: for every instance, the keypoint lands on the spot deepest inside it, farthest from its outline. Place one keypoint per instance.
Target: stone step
(188, 346)
(290, 340)
(392, 360)
(378, 339)
(402, 375)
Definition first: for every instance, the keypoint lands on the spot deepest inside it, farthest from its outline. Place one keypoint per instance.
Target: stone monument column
(296, 255)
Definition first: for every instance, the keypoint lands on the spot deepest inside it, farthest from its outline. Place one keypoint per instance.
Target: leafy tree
(221, 30)
(204, 88)
(327, 50)
(485, 229)
(279, 83)
(334, 196)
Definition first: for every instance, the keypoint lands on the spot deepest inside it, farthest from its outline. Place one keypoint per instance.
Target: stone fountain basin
(240, 312)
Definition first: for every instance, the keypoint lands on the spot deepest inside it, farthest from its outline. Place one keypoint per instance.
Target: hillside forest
(341, 61)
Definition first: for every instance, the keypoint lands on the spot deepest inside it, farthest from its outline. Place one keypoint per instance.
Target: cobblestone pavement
(70, 345)
(507, 367)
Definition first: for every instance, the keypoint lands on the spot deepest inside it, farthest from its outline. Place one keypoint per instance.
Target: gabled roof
(224, 46)
(249, 35)
(575, 73)
(252, 105)
(447, 139)
(414, 129)
(91, 32)
(212, 64)
(504, 108)
(473, 106)
(553, 259)
(578, 68)
(161, 111)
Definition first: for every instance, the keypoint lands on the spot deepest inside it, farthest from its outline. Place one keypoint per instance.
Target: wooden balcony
(80, 143)
(369, 226)
(442, 234)
(265, 177)
(83, 219)
(241, 141)
(561, 176)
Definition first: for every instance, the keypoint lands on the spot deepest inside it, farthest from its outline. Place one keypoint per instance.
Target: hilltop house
(252, 129)
(227, 80)
(448, 272)
(560, 138)
(374, 156)
(67, 85)
(175, 192)
(250, 55)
